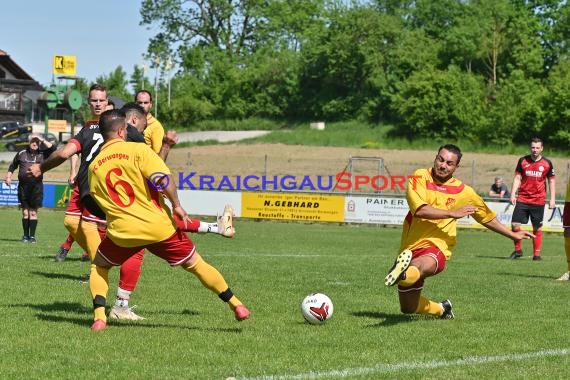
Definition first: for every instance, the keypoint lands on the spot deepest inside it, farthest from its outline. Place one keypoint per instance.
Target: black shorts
(523, 211)
(31, 194)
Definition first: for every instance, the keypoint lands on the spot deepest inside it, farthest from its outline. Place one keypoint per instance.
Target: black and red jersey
(533, 179)
(88, 142)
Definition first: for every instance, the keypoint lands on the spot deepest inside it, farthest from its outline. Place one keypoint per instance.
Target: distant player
(529, 195)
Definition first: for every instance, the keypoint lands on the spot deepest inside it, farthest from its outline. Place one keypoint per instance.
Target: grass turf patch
(510, 315)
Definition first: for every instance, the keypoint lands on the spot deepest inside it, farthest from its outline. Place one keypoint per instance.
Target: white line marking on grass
(388, 368)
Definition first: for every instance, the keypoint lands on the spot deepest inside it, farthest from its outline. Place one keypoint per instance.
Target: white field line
(390, 368)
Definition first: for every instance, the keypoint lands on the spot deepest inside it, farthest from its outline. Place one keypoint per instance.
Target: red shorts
(74, 206)
(432, 252)
(177, 250)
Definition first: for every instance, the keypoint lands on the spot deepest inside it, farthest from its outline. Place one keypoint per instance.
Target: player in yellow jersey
(154, 131)
(126, 180)
(566, 225)
(436, 200)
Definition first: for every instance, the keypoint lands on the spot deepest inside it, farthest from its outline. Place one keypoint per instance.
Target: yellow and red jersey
(153, 133)
(118, 181)
(423, 189)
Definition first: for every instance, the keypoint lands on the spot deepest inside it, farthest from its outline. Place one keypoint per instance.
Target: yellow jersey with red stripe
(153, 133)
(423, 189)
(118, 181)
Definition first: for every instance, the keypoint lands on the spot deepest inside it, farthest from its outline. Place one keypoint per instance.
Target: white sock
(123, 296)
(208, 227)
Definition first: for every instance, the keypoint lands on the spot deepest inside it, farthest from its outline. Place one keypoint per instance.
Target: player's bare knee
(193, 260)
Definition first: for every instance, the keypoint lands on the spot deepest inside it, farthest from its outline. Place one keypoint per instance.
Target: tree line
(491, 71)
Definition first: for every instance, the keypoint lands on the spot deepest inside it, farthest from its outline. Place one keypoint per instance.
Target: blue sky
(102, 35)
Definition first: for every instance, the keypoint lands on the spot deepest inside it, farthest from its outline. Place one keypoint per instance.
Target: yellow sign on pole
(57, 125)
(65, 64)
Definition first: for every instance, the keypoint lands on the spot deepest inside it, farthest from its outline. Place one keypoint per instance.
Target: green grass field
(511, 320)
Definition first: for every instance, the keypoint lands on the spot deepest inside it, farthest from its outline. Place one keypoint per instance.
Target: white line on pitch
(387, 368)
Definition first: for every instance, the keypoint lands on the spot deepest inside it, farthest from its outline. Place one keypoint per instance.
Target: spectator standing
(30, 190)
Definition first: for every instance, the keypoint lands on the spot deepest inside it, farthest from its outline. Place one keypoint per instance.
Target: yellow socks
(213, 280)
(412, 276)
(99, 286)
(429, 307)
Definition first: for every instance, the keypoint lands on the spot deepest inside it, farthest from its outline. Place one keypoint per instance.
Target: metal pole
(169, 89)
(156, 93)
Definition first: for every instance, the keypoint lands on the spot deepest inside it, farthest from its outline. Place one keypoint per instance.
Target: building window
(10, 101)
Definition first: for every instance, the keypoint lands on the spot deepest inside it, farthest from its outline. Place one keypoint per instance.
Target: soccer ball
(317, 308)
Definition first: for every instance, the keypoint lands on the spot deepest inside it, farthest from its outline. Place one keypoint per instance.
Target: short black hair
(132, 107)
(453, 149)
(110, 121)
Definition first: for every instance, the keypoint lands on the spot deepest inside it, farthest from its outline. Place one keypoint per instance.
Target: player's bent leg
(128, 278)
(71, 223)
(99, 287)
(226, 222)
(517, 253)
(409, 300)
(178, 250)
(224, 226)
(447, 310)
(412, 302)
(212, 279)
(400, 266)
(90, 230)
(537, 244)
(188, 224)
(64, 248)
(442, 309)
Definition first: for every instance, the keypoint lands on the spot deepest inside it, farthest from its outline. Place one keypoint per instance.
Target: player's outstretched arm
(172, 195)
(429, 212)
(498, 227)
(54, 160)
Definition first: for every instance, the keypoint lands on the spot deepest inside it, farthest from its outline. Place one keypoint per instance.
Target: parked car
(22, 141)
(13, 129)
